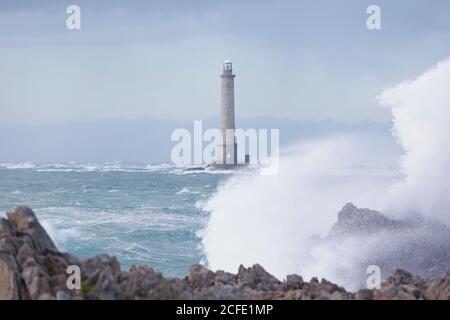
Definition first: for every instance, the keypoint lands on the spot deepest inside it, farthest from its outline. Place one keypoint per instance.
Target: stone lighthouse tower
(227, 153)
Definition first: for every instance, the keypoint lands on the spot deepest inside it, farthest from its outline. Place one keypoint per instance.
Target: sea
(141, 213)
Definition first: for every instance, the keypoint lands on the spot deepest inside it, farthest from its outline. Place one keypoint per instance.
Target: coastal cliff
(31, 267)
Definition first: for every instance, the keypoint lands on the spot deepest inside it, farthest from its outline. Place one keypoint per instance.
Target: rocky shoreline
(31, 267)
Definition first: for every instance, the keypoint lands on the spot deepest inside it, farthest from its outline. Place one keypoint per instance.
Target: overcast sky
(303, 60)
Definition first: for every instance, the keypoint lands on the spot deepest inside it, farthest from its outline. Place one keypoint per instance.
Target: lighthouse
(227, 153)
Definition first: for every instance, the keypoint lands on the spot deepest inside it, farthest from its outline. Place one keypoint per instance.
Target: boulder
(257, 277)
(36, 280)
(9, 278)
(107, 287)
(92, 267)
(24, 220)
(139, 280)
(364, 294)
(7, 237)
(353, 220)
(200, 277)
(294, 282)
(438, 289)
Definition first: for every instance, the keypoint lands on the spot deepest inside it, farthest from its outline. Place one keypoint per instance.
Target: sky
(293, 59)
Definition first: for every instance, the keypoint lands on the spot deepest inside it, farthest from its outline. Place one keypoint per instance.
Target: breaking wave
(273, 220)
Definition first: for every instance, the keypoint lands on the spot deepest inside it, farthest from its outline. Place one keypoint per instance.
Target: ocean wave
(92, 167)
(20, 165)
(187, 190)
(118, 167)
(184, 190)
(58, 234)
(184, 172)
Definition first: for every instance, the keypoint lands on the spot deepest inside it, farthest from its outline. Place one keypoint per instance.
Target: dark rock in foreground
(31, 267)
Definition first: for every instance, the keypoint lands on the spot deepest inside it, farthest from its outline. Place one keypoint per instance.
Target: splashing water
(274, 220)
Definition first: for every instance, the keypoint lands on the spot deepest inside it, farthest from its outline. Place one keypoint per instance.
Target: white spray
(421, 118)
(272, 220)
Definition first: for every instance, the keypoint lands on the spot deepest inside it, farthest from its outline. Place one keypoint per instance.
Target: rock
(401, 277)
(45, 296)
(25, 252)
(222, 277)
(36, 280)
(314, 280)
(9, 278)
(416, 244)
(294, 282)
(200, 277)
(438, 289)
(32, 268)
(58, 282)
(91, 268)
(400, 285)
(364, 294)
(24, 220)
(6, 237)
(6, 229)
(352, 220)
(226, 292)
(384, 294)
(107, 287)
(257, 277)
(139, 281)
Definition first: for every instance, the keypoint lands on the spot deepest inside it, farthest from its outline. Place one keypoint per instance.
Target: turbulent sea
(141, 213)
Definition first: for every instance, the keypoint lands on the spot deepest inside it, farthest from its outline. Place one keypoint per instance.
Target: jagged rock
(106, 287)
(6, 237)
(401, 285)
(32, 268)
(227, 292)
(58, 282)
(139, 280)
(9, 278)
(6, 229)
(257, 277)
(92, 267)
(416, 244)
(24, 220)
(45, 296)
(352, 220)
(200, 277)
(166, 289)
(364, 294)
(438, 289)
(294, 282)
(400, 277)
(36, 280)
(25, 252)
(314, 280)
(222, 277)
